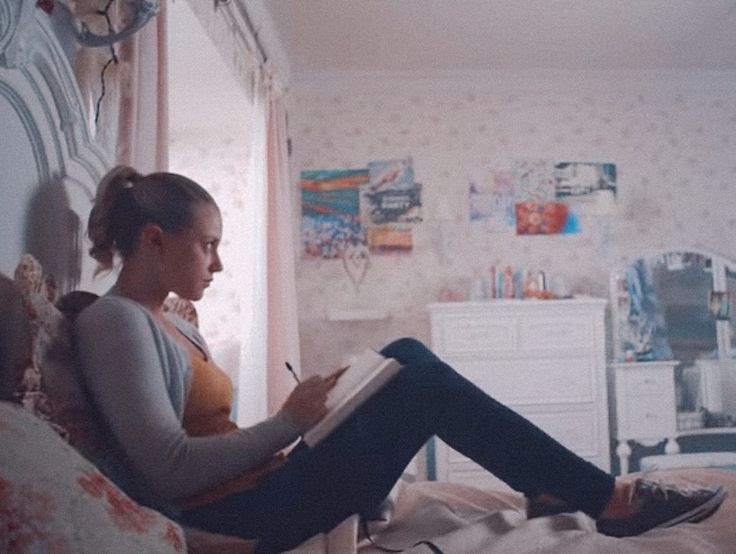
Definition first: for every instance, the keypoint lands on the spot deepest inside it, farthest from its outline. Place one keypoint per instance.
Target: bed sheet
(461, 519)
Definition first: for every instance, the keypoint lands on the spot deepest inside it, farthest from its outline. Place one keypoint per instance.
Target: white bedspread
(464, 520)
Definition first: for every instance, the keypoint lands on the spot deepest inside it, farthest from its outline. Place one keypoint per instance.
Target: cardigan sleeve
(132, 370)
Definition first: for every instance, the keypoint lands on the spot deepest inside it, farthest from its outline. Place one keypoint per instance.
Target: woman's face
(190, 257)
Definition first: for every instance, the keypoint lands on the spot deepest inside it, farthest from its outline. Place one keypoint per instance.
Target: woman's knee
(409, 350)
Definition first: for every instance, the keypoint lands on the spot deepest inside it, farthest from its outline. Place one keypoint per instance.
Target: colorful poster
(391, 174)
(389, 203)
(491, 202)
(589, 186)
(535, 181)
(546, 218)
(389, 238)
(331, 210)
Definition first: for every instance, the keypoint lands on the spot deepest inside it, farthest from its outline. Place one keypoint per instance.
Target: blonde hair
(127, 201)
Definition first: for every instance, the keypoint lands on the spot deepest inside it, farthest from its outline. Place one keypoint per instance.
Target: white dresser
(543, 358)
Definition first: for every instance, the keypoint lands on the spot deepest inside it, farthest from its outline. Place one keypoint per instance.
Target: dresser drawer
(559, 332)
(462, 335)
(647, 382)
(647, 417)
(533, 381)
(575, 428)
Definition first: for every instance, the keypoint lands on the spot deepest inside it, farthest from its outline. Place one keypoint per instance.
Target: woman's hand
(305, 406)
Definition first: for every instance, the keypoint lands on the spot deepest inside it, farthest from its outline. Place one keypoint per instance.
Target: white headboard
(50, 164)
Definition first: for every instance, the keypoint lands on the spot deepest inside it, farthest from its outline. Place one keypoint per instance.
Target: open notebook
(368, 372)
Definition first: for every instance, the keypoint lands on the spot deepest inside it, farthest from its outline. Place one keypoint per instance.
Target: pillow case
(15, 340)
(52, 387)
(54, 500)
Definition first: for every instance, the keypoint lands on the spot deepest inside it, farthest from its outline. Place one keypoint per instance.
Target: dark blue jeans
(353, 470)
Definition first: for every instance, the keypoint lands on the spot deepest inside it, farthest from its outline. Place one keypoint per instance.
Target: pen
(291, 370)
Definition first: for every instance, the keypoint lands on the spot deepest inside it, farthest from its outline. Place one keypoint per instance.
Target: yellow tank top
(206, 413)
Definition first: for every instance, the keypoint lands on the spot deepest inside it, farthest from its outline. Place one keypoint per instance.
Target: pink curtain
(283, 326)
(143, 125)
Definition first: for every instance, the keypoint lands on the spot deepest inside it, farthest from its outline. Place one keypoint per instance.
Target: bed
(52, 497)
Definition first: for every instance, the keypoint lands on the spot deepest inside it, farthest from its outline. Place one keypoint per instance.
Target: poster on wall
(535, 181)
(588, 187)
(546, 218)
(491, 202)
(538, 210)
(331, 210)
(390, 202)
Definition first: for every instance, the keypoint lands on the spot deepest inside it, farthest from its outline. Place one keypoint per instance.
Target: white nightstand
(645, 406)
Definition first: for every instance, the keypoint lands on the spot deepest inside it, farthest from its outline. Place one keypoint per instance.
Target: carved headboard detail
(50, 162)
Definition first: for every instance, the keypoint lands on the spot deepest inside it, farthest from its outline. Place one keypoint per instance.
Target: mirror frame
(719, 266)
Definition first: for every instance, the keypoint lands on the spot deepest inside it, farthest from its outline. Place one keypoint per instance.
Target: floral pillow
(54, 500)
(52, 386)
(15, 339)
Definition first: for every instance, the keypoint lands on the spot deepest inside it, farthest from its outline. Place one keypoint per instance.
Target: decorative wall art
(356, 260)
(540, 197)
(331, 210)
(535, 181)
(589, 187)
(492, 202)
(720, 305)
(390, 204)
(645, 330)
(545, 218)
(374, 207)
(538, 209)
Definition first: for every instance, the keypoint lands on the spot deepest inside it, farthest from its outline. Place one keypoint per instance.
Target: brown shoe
(542, 506)
(663, 505)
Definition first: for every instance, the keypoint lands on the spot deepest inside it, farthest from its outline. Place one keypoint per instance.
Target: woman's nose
(216, 264)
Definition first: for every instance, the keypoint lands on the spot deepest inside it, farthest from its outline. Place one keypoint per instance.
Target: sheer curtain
(283, 326)
(143, 128)
(273, 338)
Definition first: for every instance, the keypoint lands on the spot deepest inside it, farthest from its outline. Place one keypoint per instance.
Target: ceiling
(441, 36)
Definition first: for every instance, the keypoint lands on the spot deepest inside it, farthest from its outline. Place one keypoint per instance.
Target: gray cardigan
(138, 378)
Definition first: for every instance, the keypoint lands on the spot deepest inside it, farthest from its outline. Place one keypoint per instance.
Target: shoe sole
(701, 512)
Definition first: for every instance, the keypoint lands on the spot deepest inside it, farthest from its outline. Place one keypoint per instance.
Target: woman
(167, 404)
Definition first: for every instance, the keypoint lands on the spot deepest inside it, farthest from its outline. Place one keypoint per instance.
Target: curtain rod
(239, 4)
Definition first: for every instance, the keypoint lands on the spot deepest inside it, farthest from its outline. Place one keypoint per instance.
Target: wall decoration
(589, 186)
(546, 218)
(720, 305)
(535, 181)
(491, 200)
(356, 260)
(331, 210)
(389, 238)
(645, 332)
(390, 202)
(391, 195)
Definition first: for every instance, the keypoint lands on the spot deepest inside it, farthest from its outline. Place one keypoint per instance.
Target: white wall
(672, 138)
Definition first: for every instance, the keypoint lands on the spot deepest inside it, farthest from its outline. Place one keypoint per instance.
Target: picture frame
(720, 305)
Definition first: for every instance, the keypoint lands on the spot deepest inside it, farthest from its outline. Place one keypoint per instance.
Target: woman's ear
(151, 236)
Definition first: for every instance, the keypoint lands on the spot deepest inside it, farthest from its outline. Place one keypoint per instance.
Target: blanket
(460, 519)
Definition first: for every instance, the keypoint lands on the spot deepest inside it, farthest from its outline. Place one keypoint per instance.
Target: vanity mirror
(674, 368)
(677, 305)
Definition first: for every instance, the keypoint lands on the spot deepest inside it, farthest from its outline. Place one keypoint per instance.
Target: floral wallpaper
(674, 148)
